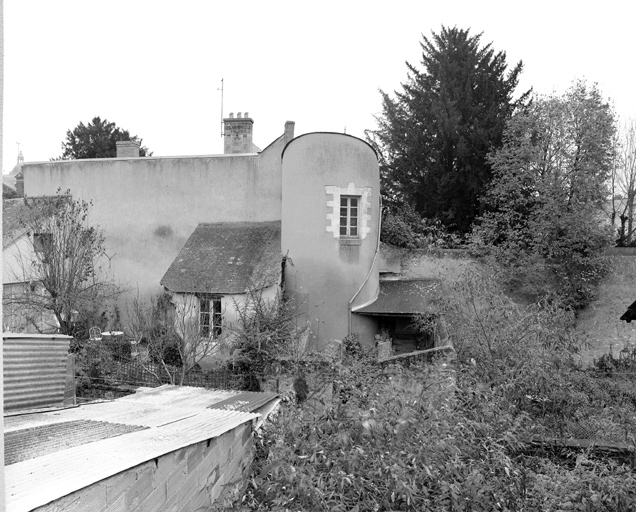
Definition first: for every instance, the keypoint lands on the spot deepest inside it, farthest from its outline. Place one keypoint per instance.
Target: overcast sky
(154, 67)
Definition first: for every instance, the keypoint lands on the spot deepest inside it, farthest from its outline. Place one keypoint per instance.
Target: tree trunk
(630, 221)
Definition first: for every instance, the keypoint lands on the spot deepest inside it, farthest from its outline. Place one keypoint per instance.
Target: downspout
(366, 279)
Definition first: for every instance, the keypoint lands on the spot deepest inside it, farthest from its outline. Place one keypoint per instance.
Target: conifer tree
(434, 135)
(97, 139)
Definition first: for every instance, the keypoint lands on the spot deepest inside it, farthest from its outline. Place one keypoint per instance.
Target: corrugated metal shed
(404, 297)
(34, 371)
(246, 401)
(173, 416)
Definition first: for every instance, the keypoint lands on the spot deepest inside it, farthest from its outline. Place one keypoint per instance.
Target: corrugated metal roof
(404, 297)
(34, 371)
(34, 442)
(176, 417)
(227, 258)
(247, 401)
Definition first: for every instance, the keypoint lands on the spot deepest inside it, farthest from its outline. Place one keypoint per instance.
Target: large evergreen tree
(97, 139)
(434, 135)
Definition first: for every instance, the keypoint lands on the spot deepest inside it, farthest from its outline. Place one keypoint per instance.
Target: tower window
(349, 216)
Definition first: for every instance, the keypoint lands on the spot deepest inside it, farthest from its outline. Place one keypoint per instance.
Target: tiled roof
(404, 297)
(12, 211)
(227, 258)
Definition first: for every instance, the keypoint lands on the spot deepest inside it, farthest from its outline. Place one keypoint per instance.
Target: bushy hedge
(407, 445)
(453, 435)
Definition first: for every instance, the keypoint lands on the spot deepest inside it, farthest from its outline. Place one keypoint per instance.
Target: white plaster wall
(148, 207)
(187, 308)
(16, 259)
(322, 272)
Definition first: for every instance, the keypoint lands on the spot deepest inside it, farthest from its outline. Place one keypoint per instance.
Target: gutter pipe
(366, 279)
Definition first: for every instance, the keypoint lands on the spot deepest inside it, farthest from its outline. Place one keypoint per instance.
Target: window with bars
(349, 216)
(210, 316)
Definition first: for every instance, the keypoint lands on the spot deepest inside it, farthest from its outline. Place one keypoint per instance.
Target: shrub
(410, 440)
(403, 227)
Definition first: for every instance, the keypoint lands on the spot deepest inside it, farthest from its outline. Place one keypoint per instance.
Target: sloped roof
(404, 297)
(246, 401)
(87, 444)
(9, 192)
(630, 314)
(12, 212)
(227, 258)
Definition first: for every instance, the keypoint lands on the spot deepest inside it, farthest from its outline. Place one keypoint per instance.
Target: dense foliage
(96, 139)
(543, 207)
(264, 335)
(455, 435)
(403, 227)
(433, 137)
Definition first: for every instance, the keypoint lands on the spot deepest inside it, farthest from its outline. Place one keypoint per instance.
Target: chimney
(127, 149)
(238, 134)
(289, 131)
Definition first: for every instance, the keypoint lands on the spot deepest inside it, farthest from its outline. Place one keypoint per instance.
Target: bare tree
(623, 183)
(62, 262)
(169, 325)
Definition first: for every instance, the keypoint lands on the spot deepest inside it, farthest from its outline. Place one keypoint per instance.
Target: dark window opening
(210, 316)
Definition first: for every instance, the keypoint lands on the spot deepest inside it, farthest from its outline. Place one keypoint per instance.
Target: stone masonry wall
(188, 479)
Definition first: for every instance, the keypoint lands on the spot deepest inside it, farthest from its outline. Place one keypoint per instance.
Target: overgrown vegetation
(403, 227)
(455, 435)
(543, 221)
(168, 329)
(265, 334)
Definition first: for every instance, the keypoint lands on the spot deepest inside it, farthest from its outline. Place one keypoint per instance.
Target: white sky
(154, 66)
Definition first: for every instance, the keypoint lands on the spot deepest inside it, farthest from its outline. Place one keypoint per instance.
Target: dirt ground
(599, 323)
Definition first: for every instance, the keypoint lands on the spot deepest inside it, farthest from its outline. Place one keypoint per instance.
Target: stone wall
(188, 479)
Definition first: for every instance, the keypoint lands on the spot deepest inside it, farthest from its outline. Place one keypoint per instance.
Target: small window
(42, 241)
(349, 216)
(210, 315)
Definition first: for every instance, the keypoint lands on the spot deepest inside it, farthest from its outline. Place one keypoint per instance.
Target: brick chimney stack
(127, 149)
(289, 131)
(238, 134)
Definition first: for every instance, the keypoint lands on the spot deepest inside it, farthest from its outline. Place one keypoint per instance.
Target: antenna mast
(221, 89)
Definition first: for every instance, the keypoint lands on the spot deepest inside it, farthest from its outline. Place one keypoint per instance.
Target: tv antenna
(221, 89)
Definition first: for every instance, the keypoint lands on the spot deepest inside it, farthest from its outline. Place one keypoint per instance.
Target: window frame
(210, 315)
(345, 230)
